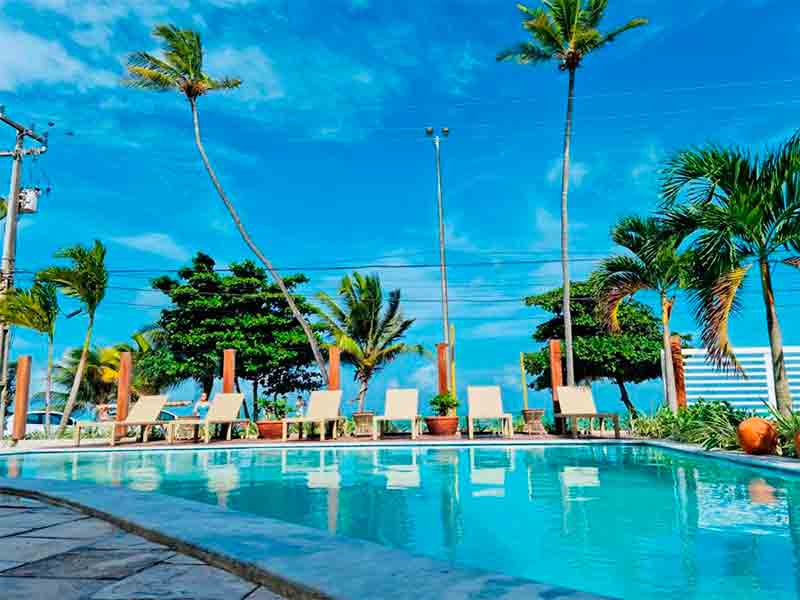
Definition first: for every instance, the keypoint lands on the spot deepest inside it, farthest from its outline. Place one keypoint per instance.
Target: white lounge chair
(224, 410)
(323, 408)
(486, 403)
(401, 405)
(577, 403)
(143, 414)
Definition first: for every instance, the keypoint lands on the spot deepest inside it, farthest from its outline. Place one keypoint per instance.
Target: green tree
(241, 310)
(654, 264)
(98, 382)
(367, 330)
(564, 31)
(181, 69)
(736, 211)
(86, 280)
(632, 355)
(35, 309)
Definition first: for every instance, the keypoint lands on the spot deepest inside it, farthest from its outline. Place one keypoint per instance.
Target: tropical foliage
(180, 68)
(368, 329)
(565, 32)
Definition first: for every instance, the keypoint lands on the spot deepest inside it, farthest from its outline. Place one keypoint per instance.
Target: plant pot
(363, 423)
(269, 430)
(442, 425)
(533, 421)
(757, 436)
(797, 444)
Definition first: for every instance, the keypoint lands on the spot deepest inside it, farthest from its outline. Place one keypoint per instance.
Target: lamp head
(429, 131)
(445, 131)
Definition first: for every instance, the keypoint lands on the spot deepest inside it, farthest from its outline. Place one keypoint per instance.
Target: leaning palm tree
(181, 69)
(654, 264)
(738, 211)
(564, 31)
(35, 309)
(366, 329)
(86, 280)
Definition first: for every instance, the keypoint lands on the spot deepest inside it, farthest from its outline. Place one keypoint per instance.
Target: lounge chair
(486, 403)
(144, 414)
(224, 410)
(401, 405)
(323, 408)
(578, 403)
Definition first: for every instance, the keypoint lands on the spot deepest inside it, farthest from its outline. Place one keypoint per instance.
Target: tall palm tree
(738, 211)
(366, 329)
(564, 31)
(655, 264)
(86, 280)
(35, 309)
(99, 379)
(181, 70)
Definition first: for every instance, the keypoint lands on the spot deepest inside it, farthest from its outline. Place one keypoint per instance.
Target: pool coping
(291, 560)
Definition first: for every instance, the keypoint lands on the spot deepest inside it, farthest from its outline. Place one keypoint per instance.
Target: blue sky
(323, 150)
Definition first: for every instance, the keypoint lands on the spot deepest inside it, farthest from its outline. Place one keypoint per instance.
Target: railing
(749, 392)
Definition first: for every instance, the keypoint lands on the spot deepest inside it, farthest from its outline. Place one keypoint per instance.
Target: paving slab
(9, 501)
(13, 512)
(83, 529)
(178, 582)
(124, 541)
(24, 550)
(263, 594)
(38, 519)
(48, 589)
(5, 565)
(90, 564)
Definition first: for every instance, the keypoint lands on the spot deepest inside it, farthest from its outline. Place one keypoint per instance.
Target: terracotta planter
(533, 421)
(442, 425)
(797, 444)
(363, 422)
(269, 430)
(757, 436)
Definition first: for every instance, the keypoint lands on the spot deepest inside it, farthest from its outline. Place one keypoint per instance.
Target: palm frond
(525, 53)
(612, 35)
(616, 279)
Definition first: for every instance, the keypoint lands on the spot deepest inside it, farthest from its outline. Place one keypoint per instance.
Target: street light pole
(442, 255)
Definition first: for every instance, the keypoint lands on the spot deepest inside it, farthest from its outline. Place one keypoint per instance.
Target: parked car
(35, 421)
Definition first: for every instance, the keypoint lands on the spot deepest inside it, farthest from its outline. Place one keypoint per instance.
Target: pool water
(626, 521)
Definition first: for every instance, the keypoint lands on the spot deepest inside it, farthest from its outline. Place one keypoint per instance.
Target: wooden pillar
(229, 371)
(123, 389)
(556, 380)
(21, 397)
(334, 368)
(441, 359)
(679, 371)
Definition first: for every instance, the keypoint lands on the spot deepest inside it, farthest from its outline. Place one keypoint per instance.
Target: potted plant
(274, 410)
(445, 421)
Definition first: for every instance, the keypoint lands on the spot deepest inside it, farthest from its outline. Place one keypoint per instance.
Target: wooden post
(556, 380)
(441, 356)
(123, 389)
(228, 371)
(334, 368)
(21, 398)
(679, 371)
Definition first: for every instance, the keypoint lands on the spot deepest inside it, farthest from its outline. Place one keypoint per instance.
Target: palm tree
(739, 211)
(181, 70)
(564, 31)
(35, 309)
(367, 331)
(653, 265)
(99, 379)
(86, 280)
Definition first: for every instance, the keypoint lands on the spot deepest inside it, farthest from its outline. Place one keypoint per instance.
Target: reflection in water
(627, 522)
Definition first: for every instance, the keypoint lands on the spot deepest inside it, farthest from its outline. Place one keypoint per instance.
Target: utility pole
(442, 258)
(7, 263)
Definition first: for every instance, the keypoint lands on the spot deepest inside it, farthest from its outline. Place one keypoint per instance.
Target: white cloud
(160, 244)
(425, 378)
(501, 329)
(262, 82)
(645, 170)
(37, 60)
(577, 172)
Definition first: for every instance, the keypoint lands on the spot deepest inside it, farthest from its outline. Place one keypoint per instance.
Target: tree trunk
(362, 394)
(626, 399)
(565, 234)
(669, 371)
(782, 393)
(312, 341)
(255, 400)
(48, 387)
(76, 383)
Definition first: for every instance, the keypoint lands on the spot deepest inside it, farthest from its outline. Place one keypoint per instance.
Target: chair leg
(284, 431)
(470, 428)
(375, 425)
(322, 431)
(573, 423)
(230, 431)
(145, 434)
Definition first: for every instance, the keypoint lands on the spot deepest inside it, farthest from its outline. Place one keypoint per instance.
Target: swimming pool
(626, 521)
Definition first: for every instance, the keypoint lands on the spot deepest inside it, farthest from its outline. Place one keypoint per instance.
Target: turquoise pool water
(626, 521)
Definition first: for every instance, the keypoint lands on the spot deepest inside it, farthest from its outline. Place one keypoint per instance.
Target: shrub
(274, 409)
(442, 404)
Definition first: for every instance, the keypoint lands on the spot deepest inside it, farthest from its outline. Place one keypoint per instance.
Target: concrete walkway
(52, 552)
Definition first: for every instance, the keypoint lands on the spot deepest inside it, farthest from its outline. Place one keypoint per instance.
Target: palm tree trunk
(362, 394)
(782, 393)
(76, 383)
(312, 340)
(669, 370)
(565, 234)
(625, 398)
(48, 388)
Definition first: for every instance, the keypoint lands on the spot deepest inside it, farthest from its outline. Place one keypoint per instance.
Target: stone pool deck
(48, 551)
